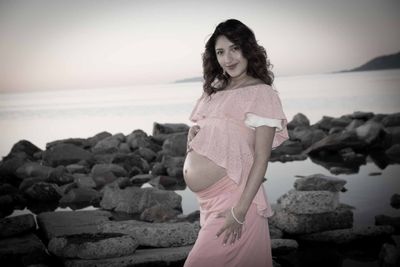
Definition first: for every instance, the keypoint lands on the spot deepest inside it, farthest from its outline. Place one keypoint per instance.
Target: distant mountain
(380, 63)
(189, 80)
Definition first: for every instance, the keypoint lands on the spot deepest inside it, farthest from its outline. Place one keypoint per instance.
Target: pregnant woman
(238, 121)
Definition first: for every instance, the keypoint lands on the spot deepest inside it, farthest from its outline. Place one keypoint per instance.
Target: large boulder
(136, 200)
(293, 223)
(175, 234)
(34, 169)
(17, 225)
(298, 120)
(175, 145)
(93, 246)
(319, 182)
(65, 154)
(43, 192)
(309, 202)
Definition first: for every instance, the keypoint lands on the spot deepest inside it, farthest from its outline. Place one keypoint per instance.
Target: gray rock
(391, 120)
(43, 191)
(107, 145)
(288, 147)
(395, 201)
(62, 223)
(104, 174)
(141, 179)
(80, 195)
(389, 254)
(77, 168)
(93, 246)
(292, 223)
(136, 200)
(138, 138)
(175, 145)
(174, 165)
(17, 225)
(23, 146)
(369, 131)
(298, 120)
(98, 137)
(168, 128)
(309, 202)
(283, 246)
(354, 124)
(141, 257)
(22, 250)
(83, 180)
(175, 234)
(158, 213)
(393, 134)
(60, 176)
(319, 182)
(337, 141)
(81, 142)
(274, 232)
(65, 154)
(388, 220)
(357, 233)
(28, 182)
(393, 152)
(33, 169)
(147, 153)
(360, 115)
(307, 135)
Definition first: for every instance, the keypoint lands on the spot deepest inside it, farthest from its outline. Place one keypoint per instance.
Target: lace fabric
(227, 120)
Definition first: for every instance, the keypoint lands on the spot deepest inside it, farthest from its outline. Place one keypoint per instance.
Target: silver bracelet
(234, 217)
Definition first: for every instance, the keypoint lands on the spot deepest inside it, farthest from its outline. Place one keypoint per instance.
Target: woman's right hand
(191, 134)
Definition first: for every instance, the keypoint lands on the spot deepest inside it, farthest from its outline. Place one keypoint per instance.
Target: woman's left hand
(232, 229)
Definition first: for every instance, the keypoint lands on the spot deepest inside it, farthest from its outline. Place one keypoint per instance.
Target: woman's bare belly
(199, 172)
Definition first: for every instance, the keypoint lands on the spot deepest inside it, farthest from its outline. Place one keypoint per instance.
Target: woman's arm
(263, 146)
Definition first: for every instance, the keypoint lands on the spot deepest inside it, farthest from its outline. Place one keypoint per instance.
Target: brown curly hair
(242, 36)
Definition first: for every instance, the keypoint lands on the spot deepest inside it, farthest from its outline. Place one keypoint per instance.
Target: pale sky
(49, 44)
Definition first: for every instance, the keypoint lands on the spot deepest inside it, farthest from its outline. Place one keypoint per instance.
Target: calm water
(41, 117)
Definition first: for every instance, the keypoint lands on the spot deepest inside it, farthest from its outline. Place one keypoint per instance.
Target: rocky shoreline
(144, 226)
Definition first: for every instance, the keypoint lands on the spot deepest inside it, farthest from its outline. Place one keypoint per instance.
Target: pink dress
(227, 136)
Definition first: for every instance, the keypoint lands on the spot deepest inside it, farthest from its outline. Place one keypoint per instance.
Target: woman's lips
(231, 67)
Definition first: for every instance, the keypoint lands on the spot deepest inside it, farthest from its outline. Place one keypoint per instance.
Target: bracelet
(234, 217)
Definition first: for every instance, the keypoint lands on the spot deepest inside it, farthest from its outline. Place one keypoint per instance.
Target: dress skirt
(252, 249)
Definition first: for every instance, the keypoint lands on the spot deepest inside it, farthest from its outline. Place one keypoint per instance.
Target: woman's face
(230, 57)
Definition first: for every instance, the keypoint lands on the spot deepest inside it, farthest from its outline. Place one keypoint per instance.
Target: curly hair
(242, 36)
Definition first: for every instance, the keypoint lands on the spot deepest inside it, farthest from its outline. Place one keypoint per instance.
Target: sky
(51, 45)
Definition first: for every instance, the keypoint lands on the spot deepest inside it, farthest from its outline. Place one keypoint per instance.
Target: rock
(350, 157)
(8, 168)
(354, 124)
(65, 154)
(307, 135)
(93, 246)
(327, 122)
(158, 213)
(108, 145)
(288, 147)
(360, 115)
(369, 132)
(130, 161)
(140, 179)
(274, 232)
(6, 205)
(389, 254)
(175, 234)
(80, 142)
(138, 138)
(391, 120)
(191, 217)
(342, 170)
(335, 142)
(341, 236)
(142, 257)
(393, 152)
(81, 195)
(163, 181)
(82, 180)
(23, 146)
(292, 223)
(167, 128)
(44, 192)
(60, 176)
(124, 148)
(309, 202)
(28, 182)
(106, 173)
(17, 225)
(298, 120)
(33, 169)
(395, 201)
(62, 223)
(175, 145)
(388, 220)
(319, 182)
(158, 169)
(136, 200)
(7, 189)
(146, 153)
(174, 165)
(283, 246)
(97, 138)
(22, 251)
(393, 134)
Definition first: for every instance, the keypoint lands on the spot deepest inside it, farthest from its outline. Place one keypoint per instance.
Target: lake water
(42, 117)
